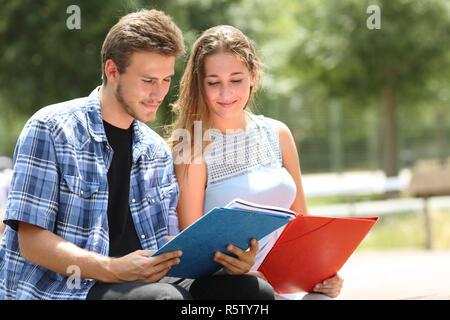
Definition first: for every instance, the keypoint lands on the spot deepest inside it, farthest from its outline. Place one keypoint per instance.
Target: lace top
(248, 165)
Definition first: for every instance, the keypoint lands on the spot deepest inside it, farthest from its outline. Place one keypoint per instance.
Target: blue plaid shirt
(60, 184)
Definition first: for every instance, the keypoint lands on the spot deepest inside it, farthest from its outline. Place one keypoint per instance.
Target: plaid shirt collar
(141, 143)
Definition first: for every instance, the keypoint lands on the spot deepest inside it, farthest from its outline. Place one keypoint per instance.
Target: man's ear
(111, 71)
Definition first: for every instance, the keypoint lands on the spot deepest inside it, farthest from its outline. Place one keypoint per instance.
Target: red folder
(312, 249)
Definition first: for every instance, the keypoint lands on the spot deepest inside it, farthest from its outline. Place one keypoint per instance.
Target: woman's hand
(330, 287)
(244, 261)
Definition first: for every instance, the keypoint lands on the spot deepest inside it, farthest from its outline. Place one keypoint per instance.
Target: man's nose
(158, 92)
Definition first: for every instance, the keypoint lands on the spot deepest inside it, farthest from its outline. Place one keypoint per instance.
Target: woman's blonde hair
(191, 104)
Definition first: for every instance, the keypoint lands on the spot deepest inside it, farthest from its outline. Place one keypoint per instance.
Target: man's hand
(244, 261)
(330, 287)
(138, 266)
(45, 248)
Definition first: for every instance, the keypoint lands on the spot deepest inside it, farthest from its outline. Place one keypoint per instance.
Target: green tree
(44, 62)
(322, 53)
(391, 65)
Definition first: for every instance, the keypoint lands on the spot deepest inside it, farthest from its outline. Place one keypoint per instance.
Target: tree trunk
(389, 132)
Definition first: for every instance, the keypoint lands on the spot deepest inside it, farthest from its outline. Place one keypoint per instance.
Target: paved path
(399, 274)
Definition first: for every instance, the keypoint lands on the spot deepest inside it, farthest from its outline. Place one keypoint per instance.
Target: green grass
(324, 201)
(407, 231)
(397, 231)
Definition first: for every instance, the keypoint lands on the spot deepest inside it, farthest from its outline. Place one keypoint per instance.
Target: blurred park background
(367, 107)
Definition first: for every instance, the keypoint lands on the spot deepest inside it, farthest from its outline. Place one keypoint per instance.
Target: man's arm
(45, 248)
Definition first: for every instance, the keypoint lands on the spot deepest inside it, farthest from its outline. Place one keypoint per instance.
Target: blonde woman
(222, 151)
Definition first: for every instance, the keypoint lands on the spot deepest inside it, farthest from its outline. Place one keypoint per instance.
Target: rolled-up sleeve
(33, 196)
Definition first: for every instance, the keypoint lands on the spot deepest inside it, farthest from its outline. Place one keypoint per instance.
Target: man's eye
(147, 81)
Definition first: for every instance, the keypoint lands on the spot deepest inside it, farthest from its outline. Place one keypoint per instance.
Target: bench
(429, 179)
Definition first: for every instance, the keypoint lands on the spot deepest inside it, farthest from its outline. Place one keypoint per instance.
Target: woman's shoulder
(284, 135)
(278, 126)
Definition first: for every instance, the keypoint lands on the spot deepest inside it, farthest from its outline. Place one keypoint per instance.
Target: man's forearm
(45, 248)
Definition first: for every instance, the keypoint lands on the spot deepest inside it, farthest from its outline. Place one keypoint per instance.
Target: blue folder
(213, 232)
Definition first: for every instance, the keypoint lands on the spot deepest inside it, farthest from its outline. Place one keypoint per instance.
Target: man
(93, 192)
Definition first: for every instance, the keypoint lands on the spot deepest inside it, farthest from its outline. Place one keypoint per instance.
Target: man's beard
(119, 96)
(126, 107)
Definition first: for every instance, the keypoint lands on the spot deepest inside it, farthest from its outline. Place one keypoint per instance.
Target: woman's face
(226, 85)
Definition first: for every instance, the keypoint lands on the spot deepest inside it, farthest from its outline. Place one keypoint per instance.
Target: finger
(156, 268)
(247, 256)
(237, 251)
(156, 276)
(167, 256)
(335, 280)
(254, 246)
(327, 284)
(230, 262)
(144, 253)
(329, 292)
(330, 288)
(231, 269)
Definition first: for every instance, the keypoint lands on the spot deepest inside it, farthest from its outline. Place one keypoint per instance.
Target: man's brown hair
(144, 30)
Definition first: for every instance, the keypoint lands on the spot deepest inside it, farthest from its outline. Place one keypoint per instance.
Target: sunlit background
(369, 108)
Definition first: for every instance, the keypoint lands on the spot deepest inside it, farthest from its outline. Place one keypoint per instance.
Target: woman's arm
(192, 181)
(333, 285)
(291, 163)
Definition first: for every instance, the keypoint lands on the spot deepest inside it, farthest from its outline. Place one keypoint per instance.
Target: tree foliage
(338, 85)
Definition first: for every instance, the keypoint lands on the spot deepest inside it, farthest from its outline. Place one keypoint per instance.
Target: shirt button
(152, 200)
(133, 200)
(143, 236)
(81, 192)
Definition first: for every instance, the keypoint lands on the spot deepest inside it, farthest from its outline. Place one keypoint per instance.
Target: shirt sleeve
(33, 196)
(173, 227)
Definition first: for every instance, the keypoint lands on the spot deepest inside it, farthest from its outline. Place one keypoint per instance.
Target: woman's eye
(212, 83)
(236, 81)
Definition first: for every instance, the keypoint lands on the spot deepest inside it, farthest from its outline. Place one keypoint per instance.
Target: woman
(235, 154)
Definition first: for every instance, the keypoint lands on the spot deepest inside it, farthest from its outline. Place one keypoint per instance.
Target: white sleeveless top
(248, 165)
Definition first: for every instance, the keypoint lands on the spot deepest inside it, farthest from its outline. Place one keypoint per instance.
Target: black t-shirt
(122, 233)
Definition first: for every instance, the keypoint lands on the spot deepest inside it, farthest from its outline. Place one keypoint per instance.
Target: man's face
(144, 84)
